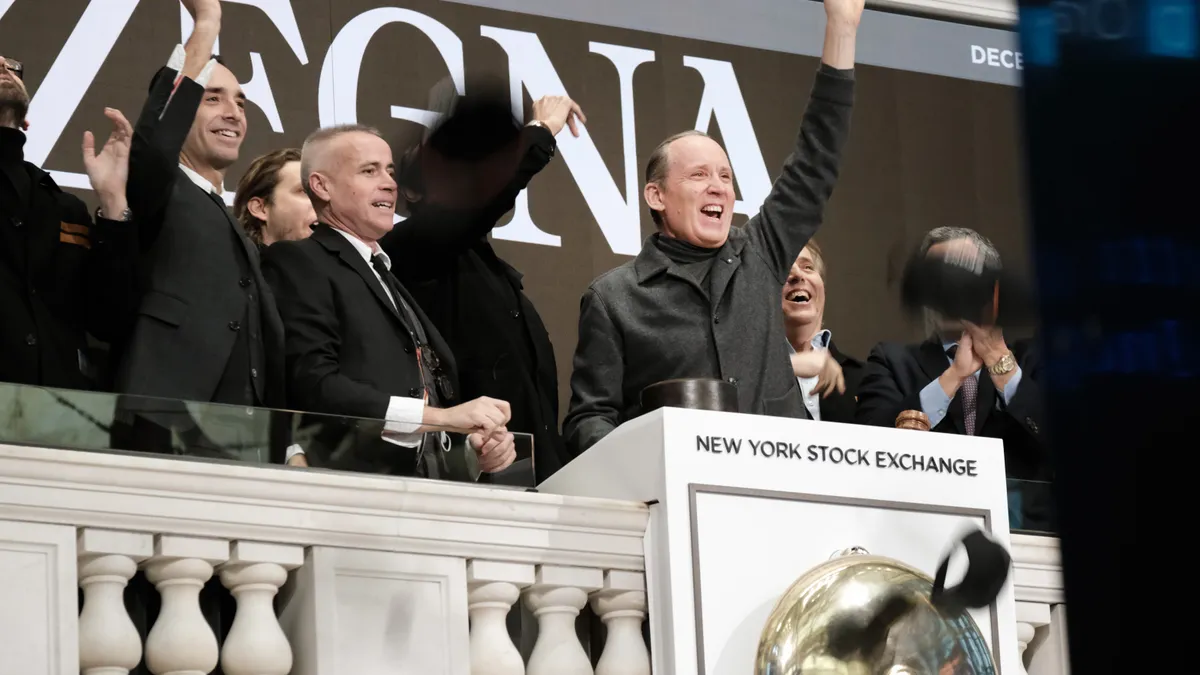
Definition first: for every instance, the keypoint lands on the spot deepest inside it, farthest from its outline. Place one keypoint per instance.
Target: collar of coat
(651, 262)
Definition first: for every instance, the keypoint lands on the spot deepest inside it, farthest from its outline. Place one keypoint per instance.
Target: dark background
(925, 150)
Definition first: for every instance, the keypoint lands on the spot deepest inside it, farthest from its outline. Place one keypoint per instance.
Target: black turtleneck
(15, 184)
(693, 261)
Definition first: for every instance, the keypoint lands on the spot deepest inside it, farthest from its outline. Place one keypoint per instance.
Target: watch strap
(1005, 365)
(126, 215)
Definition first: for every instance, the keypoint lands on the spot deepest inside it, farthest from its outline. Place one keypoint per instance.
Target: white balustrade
(181, 641)
(493, 587)
(109, 643)
(621, 605)
(256, 644)
(399, 550)
(1041, 614)
(555, 598)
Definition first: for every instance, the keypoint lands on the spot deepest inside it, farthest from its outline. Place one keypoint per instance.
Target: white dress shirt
(812, 402)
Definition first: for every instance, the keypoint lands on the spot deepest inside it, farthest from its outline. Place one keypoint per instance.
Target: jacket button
(244, 282)
(415, 392)
(31, 339)
(254, 372)
(733, 381)
(235, 325)
(716, 319)
(1032, 425)
(408, 349)
(516, 313)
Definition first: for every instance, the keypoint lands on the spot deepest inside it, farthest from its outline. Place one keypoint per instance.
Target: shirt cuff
(934, 403)
(292, 451)
(1010, 389)
(403, 421)
(179, 58)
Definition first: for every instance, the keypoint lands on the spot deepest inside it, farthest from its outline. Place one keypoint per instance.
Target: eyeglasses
(15, 67)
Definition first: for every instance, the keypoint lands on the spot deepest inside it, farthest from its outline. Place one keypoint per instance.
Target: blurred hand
(556, 111)
(807, 364)
(830, 377)
(496, 452)
(108, 171)
(965, 363)
(483, 415)
(988, 342)
(298, 460)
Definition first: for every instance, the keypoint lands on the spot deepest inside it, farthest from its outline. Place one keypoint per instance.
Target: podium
(742, 505)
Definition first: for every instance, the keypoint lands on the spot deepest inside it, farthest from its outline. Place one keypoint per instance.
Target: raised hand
(108, 171)
(966, 362)
(844, 12)
(203, 10)
(557, 111)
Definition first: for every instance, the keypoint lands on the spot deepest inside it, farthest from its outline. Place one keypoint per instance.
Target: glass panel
(84, 420)
(1031, 507)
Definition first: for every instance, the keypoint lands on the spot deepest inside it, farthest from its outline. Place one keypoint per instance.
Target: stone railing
(1041, 612)
(340, 573)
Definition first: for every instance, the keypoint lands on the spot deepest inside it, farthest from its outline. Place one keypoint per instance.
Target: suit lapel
(350, 256)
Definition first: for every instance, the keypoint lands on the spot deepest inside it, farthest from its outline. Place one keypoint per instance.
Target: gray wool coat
(646, 321)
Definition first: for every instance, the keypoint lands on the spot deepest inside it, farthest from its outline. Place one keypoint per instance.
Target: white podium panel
(746, 504)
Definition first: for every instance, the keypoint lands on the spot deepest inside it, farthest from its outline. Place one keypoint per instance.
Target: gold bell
(846, 591)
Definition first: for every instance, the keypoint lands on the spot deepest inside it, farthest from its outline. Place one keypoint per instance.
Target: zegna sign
(614, 208)
(929, 146)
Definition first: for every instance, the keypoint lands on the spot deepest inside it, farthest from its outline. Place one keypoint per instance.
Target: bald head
(348, 174)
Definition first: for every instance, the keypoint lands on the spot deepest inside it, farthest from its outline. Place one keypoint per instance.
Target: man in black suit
(63, 275)
(965, 377)
(357, 343)
(442, 255)
(828, 378)
(207, 328)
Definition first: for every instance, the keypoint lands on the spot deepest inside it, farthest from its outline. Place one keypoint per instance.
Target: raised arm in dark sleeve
(880, 398)
(158, 136)
(597, 380)
(313, 342)
(109, 281)
(795, 206)
(421, 245)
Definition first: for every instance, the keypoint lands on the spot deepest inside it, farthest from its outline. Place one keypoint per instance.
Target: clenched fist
(483, 415)
(496, 452)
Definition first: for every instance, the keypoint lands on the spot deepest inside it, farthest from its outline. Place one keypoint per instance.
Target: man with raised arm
(702, 299)
(207, 328)
(63, 274)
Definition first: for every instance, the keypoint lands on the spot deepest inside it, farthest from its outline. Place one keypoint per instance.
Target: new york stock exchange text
(828, 454)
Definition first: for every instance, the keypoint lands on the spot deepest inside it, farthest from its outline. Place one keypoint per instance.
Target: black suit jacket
(895, 375)
(200, 273)
(841, 407)
(348, 350)
(477, 302)
(61, 276)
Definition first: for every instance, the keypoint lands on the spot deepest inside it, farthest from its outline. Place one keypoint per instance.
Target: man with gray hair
(357, 344)
(964, 377)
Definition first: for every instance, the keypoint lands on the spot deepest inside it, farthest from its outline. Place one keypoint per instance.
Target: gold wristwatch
(1004, 366)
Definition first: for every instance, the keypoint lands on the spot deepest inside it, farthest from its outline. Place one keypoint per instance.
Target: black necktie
(426, 358)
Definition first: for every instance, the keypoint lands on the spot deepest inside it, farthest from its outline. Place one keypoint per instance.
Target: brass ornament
(847, 590)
